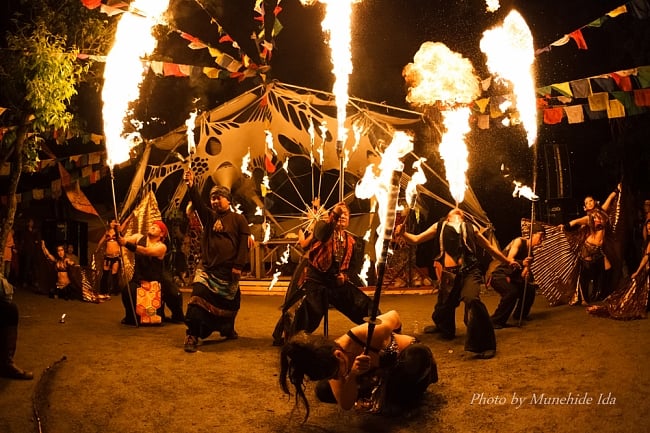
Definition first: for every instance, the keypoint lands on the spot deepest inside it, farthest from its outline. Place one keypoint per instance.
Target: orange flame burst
(376, 182)
(441, 77)
(124, 71)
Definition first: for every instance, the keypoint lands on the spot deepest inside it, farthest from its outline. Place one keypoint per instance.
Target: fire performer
(327, 281)
(595, 261)
(216, 296)
(511, 283)
(148, 270)
(461, 280)
(389, 378)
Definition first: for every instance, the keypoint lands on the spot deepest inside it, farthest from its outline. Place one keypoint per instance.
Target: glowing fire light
(443, 78)
(124, 71)
(284, 259)
(418, 178)
(190, 123)
(245, 164)
(377, 181)
(510, 55)
(336, 25)
(492, 5)
(363, 272)
(524, 191)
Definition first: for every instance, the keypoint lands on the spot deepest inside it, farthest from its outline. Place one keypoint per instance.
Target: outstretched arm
(411, 238)
(49, 256)
(131, 243)
(495, 252)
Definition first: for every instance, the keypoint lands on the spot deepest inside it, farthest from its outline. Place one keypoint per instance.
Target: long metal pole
(530, 237)
(389, 226)
(339, 152)
(131, 302)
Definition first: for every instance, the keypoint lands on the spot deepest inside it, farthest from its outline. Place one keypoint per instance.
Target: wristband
(130, 246)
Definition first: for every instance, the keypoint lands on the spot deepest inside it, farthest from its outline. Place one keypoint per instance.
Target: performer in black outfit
(461, 280)
(149, 255)
(216, 295)
(329, 279)
(511, 283)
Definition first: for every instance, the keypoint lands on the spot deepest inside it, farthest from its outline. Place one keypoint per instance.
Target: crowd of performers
(374, 367)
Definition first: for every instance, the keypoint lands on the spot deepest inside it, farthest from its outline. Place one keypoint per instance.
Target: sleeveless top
(147, 268)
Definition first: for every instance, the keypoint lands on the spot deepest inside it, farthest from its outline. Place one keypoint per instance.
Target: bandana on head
(221, 191)
(163, 228)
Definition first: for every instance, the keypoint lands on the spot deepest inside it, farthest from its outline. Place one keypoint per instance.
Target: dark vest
(147, 268)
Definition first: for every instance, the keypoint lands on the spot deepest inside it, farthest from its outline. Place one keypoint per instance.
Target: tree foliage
(39, 76)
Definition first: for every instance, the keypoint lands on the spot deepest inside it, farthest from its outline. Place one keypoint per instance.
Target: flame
(265, 186)
(190, 123)
(365, 267)
(276, 277)
(510, 55)
(439, 76)
(377, 181)
(336, 25)
(269, 143)
(267, 231)
(524, 191)
(418, 178)
(453, 150)
(492, 5)
(123, 72)
(245, 164)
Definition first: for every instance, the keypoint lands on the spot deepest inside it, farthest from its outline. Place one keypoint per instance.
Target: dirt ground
(564, 371)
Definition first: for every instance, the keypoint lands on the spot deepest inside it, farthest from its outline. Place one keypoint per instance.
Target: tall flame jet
(337, 24)
(124, 71)
(510, 56)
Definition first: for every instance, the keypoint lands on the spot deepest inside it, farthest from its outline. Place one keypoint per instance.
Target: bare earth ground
(121, 379)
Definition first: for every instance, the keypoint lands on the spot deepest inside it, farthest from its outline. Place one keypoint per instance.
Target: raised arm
(611, 197)
(49, 256)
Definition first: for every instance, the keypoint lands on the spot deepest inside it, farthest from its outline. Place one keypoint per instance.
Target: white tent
(302, 125)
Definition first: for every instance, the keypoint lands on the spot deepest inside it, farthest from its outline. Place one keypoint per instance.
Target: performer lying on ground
(391, 378)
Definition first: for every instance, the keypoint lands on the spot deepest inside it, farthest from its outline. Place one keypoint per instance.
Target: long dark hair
(306, 355)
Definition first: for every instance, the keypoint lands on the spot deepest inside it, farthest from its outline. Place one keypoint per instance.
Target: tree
(39, 74)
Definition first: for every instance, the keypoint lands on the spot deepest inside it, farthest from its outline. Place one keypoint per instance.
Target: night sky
(386, 35)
